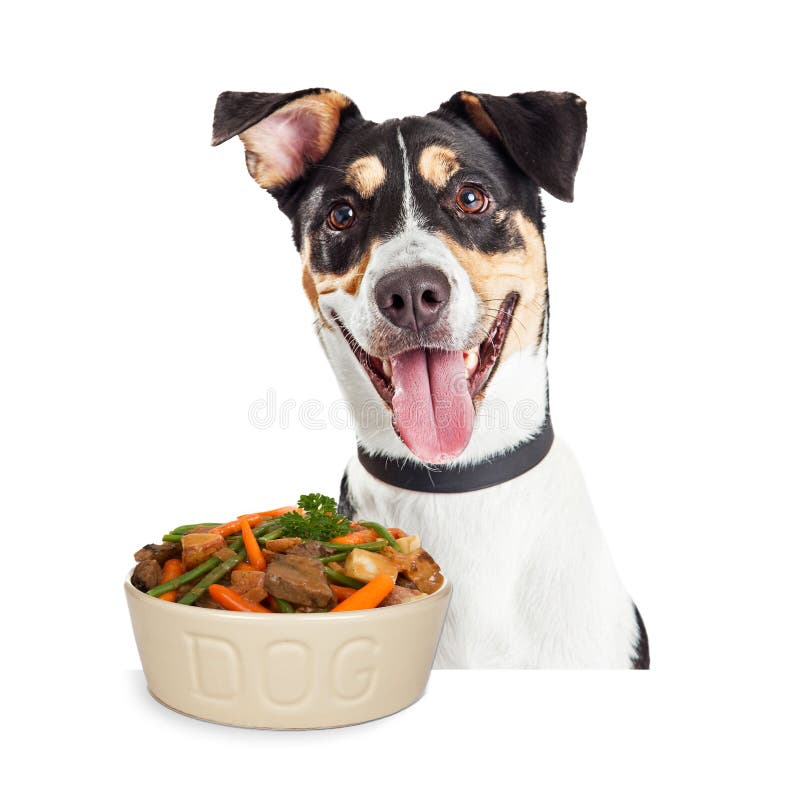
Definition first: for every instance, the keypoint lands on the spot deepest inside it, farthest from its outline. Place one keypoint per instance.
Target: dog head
(421, 238)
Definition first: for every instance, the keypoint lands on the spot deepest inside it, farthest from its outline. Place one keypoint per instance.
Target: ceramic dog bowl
(287, 670)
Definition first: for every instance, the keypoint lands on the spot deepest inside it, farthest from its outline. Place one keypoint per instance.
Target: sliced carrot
(357, 537)
(172, 569)
(243, 566)
(342, 592)
(278, 512)
(398, 533)
(253, 549)
(368, 596)
(233, 601)
(236, 525)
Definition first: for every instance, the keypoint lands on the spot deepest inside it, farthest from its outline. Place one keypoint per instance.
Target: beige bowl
(287, 670)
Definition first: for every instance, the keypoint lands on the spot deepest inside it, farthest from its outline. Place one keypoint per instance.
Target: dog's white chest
(533, 581)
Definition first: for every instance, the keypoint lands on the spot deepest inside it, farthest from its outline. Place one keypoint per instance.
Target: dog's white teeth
(471, 361)
(386, 366)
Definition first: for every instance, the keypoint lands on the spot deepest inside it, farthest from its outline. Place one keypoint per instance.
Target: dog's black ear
(543, 132)
(282, 133)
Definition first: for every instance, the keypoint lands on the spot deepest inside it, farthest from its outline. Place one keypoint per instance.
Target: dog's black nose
(413, 297)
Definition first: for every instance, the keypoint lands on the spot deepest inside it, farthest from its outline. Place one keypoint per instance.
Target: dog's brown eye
(341, 216)
(471, 200)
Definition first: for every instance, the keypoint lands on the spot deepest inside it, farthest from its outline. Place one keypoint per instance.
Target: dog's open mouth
(432, 392)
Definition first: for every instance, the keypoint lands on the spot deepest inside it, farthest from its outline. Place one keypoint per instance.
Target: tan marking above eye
(366, 175)
(437, 165)
(522, 270)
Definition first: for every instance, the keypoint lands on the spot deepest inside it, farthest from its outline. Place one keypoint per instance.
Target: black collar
(468, 478)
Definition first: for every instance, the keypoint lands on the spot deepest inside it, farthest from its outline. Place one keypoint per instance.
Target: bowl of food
(295, 618)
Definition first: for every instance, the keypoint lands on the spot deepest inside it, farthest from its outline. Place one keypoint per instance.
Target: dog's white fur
(534, 583)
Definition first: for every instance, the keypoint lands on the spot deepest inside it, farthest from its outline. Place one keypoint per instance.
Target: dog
(422, 251)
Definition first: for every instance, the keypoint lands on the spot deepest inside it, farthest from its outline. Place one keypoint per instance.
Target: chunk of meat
(310, 549)
(201, 529)
(418, 567)
(398, 595)
(197, 547)
(245, 581)
(282, 545)
(160, 552)
(147, 575)
(224, 553)
(255, 595)
(299, 580)
(205, 601)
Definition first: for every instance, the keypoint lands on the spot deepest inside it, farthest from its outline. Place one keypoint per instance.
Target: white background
(151, 295)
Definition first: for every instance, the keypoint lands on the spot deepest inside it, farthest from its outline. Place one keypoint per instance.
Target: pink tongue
(433, 411)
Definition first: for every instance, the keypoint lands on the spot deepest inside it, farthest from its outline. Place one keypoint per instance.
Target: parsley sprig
(321, 520)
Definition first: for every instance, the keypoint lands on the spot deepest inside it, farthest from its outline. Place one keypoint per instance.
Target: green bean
(382, 532)
(270, 536)
(379, 545)
(276, 523)
(178, 537)
(183, 529)
(187, 577)
(336, 557)
(285, 606)
(216, 574)
(197, 572)
(345, 580)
